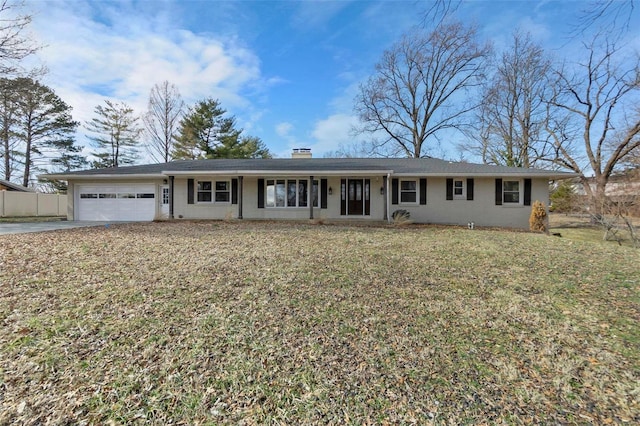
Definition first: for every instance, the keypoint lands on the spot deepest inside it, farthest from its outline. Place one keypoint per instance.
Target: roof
(312, 166)
(14, 186)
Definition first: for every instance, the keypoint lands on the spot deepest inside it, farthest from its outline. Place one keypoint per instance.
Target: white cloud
(284, 129)
(94, 53)
(333, 132)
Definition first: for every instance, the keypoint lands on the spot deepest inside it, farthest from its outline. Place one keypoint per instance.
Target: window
(290, 193)
(204, 192)
(85, 196)
(165, 195)
(218, 191)
(458, 187)
(223, 195)
(511, 191)
(408, 191)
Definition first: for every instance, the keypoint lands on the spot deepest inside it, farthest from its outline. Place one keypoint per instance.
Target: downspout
(384, 188)
(387, 198)
(240, 190)
(310, 196)
(171, 197)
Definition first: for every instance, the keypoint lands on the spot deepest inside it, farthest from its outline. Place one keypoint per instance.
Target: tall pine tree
(117, 135)
(37, 129)
(205, 132)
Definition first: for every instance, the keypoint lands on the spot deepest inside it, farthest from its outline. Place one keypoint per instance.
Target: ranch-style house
(363, 189)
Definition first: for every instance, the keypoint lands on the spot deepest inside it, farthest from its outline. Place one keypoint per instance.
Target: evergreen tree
(117, 135)
(205, 132)
(37, 129)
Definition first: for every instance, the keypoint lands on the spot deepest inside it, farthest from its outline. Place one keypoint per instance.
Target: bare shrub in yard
(401, 217)
(618, 221)
(538, 218)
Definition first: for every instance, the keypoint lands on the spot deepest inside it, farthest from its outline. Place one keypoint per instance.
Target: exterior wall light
(330, 190)
(382, 190)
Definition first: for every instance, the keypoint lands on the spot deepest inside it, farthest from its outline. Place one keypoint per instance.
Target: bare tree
(162, 119)
(594, 113)
(353, 150)
(15, 45)
(611, 16)
(419, 88)
(439, 10)
(510, 119)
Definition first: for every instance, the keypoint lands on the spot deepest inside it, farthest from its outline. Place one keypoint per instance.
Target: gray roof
(14, 186)
(312, 166)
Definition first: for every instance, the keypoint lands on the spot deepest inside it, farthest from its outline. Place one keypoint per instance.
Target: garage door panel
(125, 202)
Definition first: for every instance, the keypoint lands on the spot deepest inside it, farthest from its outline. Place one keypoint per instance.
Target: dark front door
(355, 197)
(356, 190)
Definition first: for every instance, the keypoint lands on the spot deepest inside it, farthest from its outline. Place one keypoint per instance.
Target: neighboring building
(623, 189)
(619, 185)
(431, 190)
(5, 185)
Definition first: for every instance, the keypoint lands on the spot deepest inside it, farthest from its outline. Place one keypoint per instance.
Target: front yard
(282, 323)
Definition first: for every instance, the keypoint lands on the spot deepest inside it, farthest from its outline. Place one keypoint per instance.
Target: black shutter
(449, 189)
(323, 193)
(527, 192)
(343, 197)
(470, 189)
(423, 191)
(498, 192)
(189, 191)
(261, 193)
(234, 191)
(367, 197)
(394, 191)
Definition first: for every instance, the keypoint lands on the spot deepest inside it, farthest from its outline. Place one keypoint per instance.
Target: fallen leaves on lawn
(289, 323)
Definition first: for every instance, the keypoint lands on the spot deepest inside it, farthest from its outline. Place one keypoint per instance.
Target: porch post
(386, 195)
(240, 181)
(384, 185)
(171, 197)
(310, 196)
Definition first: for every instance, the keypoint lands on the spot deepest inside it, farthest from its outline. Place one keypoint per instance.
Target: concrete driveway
(25, 227)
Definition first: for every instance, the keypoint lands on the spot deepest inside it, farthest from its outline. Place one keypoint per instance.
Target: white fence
(16, 204)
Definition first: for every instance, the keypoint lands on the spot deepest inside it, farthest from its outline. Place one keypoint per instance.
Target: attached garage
(116, 202)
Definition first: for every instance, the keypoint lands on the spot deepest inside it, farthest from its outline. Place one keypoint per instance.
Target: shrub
(538, 218)
(401, 217)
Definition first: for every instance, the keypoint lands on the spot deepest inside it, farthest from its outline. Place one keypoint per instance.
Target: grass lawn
(578, 227)
(282, 323)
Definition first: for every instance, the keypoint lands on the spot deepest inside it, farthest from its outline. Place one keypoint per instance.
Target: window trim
(213, 191)
(463, 189)
(415, 192)
(520, 192)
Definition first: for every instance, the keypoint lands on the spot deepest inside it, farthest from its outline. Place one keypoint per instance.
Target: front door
(357, 201)
(355, 197)
(164, 201)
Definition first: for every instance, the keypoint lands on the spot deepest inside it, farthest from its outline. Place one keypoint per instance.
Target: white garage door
(121, 202)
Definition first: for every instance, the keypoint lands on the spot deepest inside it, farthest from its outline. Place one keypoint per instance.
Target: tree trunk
(27, 161)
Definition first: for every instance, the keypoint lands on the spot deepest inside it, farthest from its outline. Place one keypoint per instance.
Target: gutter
(277, 173)
(104, 176)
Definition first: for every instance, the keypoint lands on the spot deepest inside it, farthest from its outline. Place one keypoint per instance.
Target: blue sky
(287, 70)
